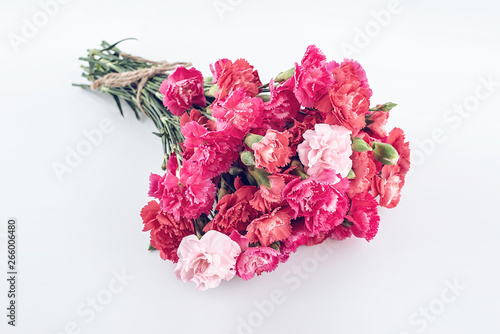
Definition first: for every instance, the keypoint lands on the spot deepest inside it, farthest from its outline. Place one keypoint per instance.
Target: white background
(75, 233)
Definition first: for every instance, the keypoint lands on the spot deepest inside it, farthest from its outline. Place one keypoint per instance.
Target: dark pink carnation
(300, 236)
(229, 76)
(183, 89)
(238, 114)
(349, 99)
(234, 211)
(187, 196)
(213, 151)
(282, 107)
(271, 227)
(312, 78)
(322, 203)
(256, 260)
(166, 232)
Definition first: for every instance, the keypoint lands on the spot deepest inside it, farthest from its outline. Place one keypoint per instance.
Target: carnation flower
(256, 260)
(270, 227)
(312, 78)
(323, 204)
(326, 147)
(229, 76)
(300, 236)
(377, 122)
(195, 116)
(234, 211)
(363, 216)
(166, 231)
(186, 196)
(391, 180)
(364, 168)
(207, 261)
(238, 113)
(349, 99)
(183, 89)
(266, 200)
(213, 151)
(272, 151)
(281, 108)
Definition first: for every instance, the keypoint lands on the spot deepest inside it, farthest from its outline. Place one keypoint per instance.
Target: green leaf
(117, 100)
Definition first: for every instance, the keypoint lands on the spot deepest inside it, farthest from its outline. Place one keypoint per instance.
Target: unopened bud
(359, 145)
(385, 153)
(384, 107)
(247, 158)
(251, 139)
(284, 76)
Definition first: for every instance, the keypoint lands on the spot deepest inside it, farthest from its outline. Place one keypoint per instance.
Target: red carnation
(166, 232)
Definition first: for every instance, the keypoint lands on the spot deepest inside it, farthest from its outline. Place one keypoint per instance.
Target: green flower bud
(359, 145)
(351, 175)
(385, 153)
(247, 158)
(284, 76)
(251, 139)
(384, 107)
(261, 176)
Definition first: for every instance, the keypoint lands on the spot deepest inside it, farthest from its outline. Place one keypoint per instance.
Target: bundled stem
(108, 60)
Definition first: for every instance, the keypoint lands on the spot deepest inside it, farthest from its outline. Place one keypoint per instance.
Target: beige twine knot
(143, 75)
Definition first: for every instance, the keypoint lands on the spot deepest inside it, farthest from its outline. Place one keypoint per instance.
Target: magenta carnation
(312, 78)
(322, 203)
(183, 89)
(187, 196)
(238, 114)
(282, 107)
(213, 151)
(256, 260)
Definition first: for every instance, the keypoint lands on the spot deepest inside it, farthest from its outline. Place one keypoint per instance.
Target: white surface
(74, 234)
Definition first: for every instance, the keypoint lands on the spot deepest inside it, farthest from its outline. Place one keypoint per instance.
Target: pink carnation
(213, 151)
(229, 76)
(234, 211)
(272, 151)
(266, 200)
(183, 89)
(281, 108)
(166, 232)
(390, 181)
(238, 113)
(322, 204)
(312, 78)
(270, 227)
(256, 260)
(300, 236)
(186, 196)
(349, 99)
(207, 261)
(326, 147)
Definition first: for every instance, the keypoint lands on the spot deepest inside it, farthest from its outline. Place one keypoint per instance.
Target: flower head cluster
(264, 169)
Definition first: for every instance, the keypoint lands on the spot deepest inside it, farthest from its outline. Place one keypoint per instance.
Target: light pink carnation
(256, 260)
(207, 261)
(326, 147)
(183, 89)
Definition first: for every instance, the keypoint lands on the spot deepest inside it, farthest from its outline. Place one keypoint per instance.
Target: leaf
(117, 100)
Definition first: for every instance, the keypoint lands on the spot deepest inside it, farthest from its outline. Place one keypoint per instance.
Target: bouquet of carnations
(253, 170)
